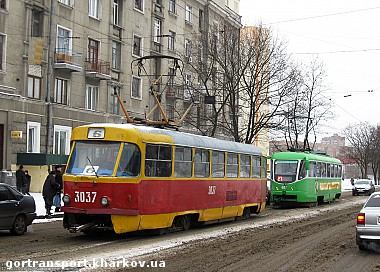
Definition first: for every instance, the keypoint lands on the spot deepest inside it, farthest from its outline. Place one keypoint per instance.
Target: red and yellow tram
(128, 177)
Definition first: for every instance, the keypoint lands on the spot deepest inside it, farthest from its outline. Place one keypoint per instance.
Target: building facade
(62, 61)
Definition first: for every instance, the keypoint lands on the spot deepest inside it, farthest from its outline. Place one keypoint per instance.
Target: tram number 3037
(87, 197)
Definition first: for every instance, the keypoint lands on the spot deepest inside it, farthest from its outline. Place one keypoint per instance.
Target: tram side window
(232, 165)
(218, 164)
(182, 162)
(202, 163)
(256, 167)
(302, 173)
(328, 168)
(339, 171)
(158, 161)
(130, 161)
(264, 167)
(245, 166)
(312, 169)
(321, 169)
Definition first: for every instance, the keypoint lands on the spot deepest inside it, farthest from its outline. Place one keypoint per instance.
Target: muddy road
(303, 239)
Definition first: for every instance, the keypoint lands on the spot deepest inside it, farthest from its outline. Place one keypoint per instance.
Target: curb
(52, 216)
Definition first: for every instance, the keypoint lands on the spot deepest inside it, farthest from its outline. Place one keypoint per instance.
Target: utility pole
(49, 142)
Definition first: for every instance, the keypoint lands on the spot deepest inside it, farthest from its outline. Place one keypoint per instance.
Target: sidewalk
(41, 212)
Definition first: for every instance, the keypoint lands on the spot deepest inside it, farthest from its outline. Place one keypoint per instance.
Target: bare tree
(360, 137)
(308, 109)
(251, 78)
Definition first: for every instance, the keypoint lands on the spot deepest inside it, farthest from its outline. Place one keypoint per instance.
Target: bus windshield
(93, 158)
(285, 171)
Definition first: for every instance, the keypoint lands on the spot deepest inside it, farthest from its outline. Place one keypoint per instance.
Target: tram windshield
(99, 158)
(285, 171)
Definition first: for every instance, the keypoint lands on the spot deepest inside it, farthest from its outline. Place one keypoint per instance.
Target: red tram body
(158, 179)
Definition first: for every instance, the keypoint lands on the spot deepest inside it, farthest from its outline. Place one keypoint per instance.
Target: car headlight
(104, 201)
(66, 199)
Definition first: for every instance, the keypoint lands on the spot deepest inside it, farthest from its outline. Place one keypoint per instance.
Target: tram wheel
(246, 213)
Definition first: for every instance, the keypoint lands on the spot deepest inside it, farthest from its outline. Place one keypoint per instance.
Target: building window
(137, 46)
(188, 49)
(2, 52)
(136, 88)
(189, 14)
(93, 8)
(172, 7)
(171, 40)
(60, 91)
(3, 4)
(114, 102)
(66, 2)
(91, 97)
(62, 136)
(93, 53)
(34, 87)
(116, 11)
(139, 5)
(64, 43)
(157, 30)
(200, 18)
(33, 137)
(116, 55)
(37, 23)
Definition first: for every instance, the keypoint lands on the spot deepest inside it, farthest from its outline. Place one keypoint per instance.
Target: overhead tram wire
(322, 16)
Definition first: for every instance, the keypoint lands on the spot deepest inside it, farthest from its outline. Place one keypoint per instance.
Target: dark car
(17, 211)
(363, 186)
(368, 224)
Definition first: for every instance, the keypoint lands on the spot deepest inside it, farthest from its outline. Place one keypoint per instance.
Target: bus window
(93, 158)
(256, 167)
(182, 162)
(232, 165)
(130, 161)
(218, 164)
(245, 166)
(158, 161)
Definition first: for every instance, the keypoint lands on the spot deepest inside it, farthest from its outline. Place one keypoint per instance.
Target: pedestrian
(59, 180)
(20, 179)
(28, 181)
(49, 191)
(352, 181)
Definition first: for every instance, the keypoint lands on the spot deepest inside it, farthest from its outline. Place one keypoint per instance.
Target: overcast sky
(345, 34)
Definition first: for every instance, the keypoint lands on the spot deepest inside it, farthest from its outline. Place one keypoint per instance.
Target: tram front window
(93, 158)
(285, 171)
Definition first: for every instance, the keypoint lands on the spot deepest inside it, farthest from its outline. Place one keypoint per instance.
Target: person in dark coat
(28, 181)
(20, 179)
(49, 191)
(59, 180)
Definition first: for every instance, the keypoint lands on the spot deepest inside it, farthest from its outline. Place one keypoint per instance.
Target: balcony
(68, 60)
(97, 68)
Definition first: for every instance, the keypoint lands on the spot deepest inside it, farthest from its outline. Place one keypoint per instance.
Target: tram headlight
(66, 199)
(104, 201)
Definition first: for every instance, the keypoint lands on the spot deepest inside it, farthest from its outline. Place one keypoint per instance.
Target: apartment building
(61, 61)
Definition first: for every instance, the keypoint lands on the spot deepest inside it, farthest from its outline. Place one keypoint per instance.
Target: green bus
(304, 178)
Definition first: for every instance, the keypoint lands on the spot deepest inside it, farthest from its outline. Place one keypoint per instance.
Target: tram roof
(303, 156)
(187, 139)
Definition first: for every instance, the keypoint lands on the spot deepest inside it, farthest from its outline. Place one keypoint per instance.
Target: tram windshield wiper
(93, 168)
